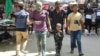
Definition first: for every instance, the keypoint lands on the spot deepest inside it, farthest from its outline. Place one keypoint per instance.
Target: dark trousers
(88, 24)
(97, 25)
(58, 43)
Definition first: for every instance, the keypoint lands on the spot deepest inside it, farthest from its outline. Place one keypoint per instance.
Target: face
(38, 7)
(16, 8)
(58, 27)
(57, 6)
(75, 8)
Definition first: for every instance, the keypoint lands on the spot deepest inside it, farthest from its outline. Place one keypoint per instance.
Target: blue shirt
(21, 17)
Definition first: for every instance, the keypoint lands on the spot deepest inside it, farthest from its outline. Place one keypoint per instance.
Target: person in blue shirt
(21, 21)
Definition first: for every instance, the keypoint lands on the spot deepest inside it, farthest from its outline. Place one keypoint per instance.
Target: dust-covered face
(38, 6)
(58, 27)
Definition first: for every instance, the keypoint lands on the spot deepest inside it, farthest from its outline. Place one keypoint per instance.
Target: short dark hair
(21, 6)
(57, 2)
(75, 5)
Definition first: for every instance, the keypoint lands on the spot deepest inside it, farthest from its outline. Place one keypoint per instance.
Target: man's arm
(48, 23)
(82, 25)
(14, 20)
(65, 23)
(68, 24)
(28, 21)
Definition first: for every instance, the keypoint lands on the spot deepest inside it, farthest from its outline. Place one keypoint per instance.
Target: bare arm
(65, 23)
(82, 24)
(49, 23)
(14, 20)
(68, 24)
(28, 21)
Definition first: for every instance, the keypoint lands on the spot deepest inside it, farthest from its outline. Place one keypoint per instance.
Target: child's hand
(59, 34)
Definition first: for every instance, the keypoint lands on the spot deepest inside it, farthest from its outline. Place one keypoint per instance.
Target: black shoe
(72, 51)
(81, 54)
(57, 54)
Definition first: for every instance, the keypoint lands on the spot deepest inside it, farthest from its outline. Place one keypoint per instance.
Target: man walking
(21, 21)
(75, 26)
(57, 16)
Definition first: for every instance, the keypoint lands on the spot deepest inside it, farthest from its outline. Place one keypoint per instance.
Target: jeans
(41, 41)
(76, 35)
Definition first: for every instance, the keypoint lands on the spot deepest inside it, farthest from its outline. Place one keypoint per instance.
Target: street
(90, 45)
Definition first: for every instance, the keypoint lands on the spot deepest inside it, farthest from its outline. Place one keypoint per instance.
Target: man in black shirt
(88, 18)
(57, 16)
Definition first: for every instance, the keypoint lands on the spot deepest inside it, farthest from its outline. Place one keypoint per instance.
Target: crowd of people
(55, 20)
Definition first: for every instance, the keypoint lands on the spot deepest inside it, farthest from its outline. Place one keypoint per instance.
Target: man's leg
(78, 37)
(96, 26)
(25, 39)
(72, 36)
(43, 44)
(75, 45)
(38, 42)
(18, 42)
(90, 24)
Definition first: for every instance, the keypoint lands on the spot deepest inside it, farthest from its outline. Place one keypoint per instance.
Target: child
(58, 38)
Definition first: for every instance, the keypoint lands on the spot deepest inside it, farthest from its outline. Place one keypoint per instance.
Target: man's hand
(49, 29)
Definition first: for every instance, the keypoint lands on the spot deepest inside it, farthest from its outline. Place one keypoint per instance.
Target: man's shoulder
(70, 14)
(79, 14)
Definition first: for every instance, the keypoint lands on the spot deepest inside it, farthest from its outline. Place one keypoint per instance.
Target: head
(58, 26)
(57, 5)
(89, 5)
(98, 5)
(75, 8)
(38, 6)
(19, 6)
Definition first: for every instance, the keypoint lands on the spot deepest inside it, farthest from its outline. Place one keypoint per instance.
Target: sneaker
(25, 52)
(81, 54)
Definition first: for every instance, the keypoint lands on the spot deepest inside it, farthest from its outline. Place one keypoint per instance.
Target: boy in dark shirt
(58, 38)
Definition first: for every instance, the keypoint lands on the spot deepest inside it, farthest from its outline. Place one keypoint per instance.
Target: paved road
(90, 45)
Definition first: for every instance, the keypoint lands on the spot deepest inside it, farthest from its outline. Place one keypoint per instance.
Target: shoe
(25, 52)
(16, 55)
(81, 54)
(57, 54)
(71, 51)
(39, 53)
